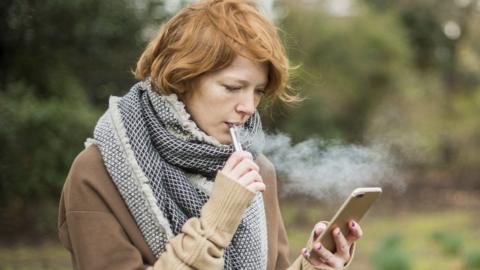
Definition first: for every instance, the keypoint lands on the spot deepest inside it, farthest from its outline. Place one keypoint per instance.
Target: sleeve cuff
(227, 204)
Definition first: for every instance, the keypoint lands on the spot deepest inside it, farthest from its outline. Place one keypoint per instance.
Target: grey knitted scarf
(150, 149)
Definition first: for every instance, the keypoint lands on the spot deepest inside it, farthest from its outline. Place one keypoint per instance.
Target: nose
(247, 104)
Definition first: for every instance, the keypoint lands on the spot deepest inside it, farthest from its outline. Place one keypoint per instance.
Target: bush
(472, 260)
(451, 242)
(39, 138)
(348, 65)
(389, 256)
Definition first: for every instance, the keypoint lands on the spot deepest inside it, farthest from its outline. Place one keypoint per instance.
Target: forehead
(244, 69)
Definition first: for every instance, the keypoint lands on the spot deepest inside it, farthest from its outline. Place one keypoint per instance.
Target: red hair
(206, 37)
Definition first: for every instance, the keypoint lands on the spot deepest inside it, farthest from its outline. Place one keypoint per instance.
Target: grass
(49, 255)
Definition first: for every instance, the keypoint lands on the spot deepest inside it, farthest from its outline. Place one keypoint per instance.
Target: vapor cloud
(330, 169)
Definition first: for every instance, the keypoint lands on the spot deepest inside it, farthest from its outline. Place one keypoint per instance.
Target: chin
(225, 139)
(225, 142)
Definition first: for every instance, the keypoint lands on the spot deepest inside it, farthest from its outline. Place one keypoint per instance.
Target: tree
(348, 64)
(58, 59)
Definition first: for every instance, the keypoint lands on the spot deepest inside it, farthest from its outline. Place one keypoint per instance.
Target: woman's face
(227, 96)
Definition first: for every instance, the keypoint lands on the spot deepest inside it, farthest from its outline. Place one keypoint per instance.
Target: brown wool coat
(97, 228)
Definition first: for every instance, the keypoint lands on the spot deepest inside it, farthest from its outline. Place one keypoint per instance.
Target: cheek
(210, 107)
(217, 102)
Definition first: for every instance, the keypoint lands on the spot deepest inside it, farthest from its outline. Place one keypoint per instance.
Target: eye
(260, 91)
(232, 87)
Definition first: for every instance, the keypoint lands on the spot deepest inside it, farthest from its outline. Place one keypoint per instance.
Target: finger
(305, 253)
(318, 229)
(251, 164)
(328, 257)
(355, 233)
(343, 248)
(234, 159)
(315, 261)
(245, 166)
(248, 178)
(256, 186)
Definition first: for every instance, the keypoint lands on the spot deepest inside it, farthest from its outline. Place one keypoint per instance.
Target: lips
(235, 123)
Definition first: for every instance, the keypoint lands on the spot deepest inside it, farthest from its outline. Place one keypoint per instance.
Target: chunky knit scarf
(151, 150)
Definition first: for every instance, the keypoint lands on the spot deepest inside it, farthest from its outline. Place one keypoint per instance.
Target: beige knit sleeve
(202, 241)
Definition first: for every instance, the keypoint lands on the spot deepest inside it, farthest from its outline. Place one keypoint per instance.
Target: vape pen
(233, 134)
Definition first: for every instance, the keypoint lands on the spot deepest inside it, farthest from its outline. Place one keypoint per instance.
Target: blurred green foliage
(95, 42)
(390, 255)
(403, 73)
(39, 139)
(472, 259)
(59, 62)
(347, 66)
(450, 241)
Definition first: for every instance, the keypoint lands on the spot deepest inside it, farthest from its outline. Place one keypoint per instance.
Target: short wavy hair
(206, 37)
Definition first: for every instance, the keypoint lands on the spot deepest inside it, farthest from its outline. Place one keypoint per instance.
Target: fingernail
(305, 253)
(337, 231)
(317, 246)
(320, 227)
(353, 223)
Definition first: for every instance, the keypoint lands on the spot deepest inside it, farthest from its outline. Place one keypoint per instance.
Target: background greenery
(403, 72)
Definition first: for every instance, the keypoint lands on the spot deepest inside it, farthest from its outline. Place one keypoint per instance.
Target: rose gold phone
(355, 207)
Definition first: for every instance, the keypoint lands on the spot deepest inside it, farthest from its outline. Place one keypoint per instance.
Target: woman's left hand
(327, 260)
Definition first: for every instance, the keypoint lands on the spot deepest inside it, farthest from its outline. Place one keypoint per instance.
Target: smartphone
(354, 207)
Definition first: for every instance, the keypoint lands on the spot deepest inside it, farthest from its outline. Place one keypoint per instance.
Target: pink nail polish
(306, 253)
(317, 246)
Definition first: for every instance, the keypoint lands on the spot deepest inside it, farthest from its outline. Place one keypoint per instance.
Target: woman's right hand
(241, 168)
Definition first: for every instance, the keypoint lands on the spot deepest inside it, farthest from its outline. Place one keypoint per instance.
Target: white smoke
(329, 169)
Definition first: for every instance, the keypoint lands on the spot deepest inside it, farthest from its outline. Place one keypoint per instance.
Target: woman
(160, 185)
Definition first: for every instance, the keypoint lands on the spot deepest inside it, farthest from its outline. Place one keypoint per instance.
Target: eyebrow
(244, 82)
